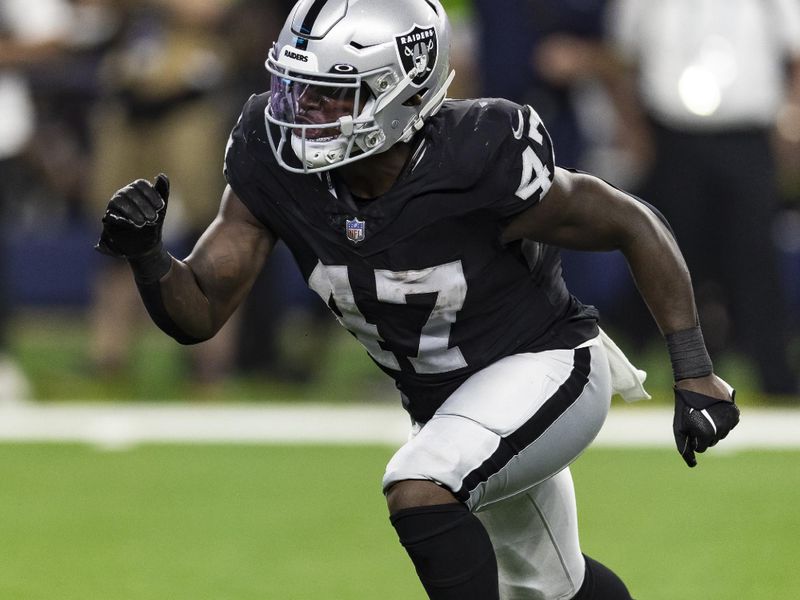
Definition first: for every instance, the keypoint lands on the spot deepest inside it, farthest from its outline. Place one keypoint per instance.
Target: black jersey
(419, 275)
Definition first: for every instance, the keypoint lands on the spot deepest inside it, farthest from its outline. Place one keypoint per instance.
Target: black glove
(134, 218)
(701, 421)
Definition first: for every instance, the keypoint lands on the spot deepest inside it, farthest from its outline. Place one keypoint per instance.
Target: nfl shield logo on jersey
(355, 230)
(418, 48)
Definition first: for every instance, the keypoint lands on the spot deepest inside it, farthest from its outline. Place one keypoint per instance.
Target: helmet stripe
(311, 16)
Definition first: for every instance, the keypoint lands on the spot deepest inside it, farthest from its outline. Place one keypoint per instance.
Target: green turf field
(284, 522)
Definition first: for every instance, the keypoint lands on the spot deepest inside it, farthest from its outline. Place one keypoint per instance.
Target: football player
(431, 228)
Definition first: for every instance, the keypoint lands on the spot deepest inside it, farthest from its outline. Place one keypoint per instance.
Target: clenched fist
(701, 421)
(134, 218)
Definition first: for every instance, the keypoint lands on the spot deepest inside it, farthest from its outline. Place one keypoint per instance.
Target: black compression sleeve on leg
(451, 551)
(154, 303)
(601, 583)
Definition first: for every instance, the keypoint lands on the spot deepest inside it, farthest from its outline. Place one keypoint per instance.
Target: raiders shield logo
(417, 48)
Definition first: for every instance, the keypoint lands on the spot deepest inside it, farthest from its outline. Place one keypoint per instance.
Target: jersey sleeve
(524, 164)
(249, 166)
(240, 165)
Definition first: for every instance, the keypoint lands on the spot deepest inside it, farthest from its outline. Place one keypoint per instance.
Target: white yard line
(124, 425)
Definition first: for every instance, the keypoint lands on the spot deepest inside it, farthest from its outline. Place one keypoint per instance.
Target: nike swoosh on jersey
(519, 130)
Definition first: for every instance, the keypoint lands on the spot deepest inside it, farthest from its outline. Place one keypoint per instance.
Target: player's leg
(601, 583)
(506, 429)
(535, 537)
(449, 547)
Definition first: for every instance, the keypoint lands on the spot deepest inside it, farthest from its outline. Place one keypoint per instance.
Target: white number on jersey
(333, 281)
(393, 287)
(535, 174)
(450, 286)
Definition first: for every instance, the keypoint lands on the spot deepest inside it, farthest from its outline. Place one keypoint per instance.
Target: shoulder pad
(252, 121)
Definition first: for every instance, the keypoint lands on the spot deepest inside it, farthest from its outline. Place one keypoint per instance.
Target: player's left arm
(583, 212)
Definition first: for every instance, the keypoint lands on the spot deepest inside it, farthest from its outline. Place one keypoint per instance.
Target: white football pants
(502, 443)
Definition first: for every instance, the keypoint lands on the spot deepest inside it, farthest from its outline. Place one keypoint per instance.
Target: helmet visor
(314, 106)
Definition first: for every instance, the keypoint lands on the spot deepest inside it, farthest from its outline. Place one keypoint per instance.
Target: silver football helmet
(351, 78)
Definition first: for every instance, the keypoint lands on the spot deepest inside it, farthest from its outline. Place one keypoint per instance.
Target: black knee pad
(451, 551)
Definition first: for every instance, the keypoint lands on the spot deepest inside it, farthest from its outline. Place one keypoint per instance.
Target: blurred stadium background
(131, 467)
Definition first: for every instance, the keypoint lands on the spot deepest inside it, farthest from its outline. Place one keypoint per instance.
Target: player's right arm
(202, 291)
(189, 299)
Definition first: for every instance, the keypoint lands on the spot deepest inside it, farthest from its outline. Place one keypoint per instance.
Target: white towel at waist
(626, 380)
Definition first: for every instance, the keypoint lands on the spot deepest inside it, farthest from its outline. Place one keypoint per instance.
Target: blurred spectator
(553, 56)
(712, 75)
(30, 32)
(66, 90)
(533, 52)
(162, 111)
(257, 24)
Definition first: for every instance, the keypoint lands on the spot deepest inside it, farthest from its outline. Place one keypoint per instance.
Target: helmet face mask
(321, 104)
(322, 117)
(339, 94)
